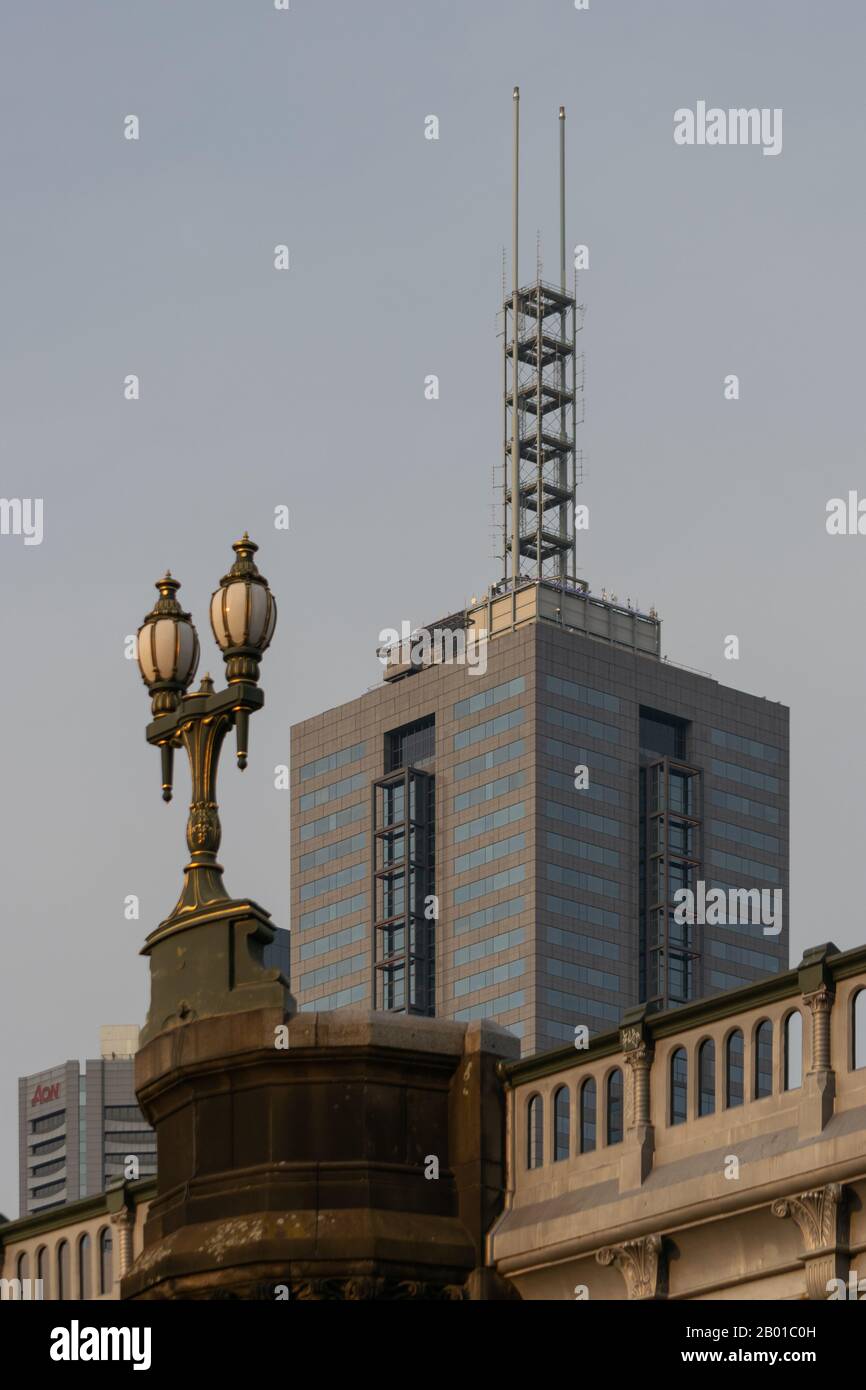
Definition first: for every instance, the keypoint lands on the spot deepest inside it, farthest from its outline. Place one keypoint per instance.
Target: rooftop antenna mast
(515, 369)
(540, 394)
(562, 198)
(563, 329)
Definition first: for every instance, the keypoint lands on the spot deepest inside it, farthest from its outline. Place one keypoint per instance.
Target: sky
(303, 388)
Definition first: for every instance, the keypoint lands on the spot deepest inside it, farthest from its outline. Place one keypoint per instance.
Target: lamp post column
(206, 956)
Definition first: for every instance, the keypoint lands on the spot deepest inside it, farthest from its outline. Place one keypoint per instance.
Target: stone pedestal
(210, 962)
(322, 1156)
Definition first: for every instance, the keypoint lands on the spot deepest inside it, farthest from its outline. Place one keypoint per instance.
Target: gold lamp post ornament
(206, 957)
(168, 653)
(243, 616)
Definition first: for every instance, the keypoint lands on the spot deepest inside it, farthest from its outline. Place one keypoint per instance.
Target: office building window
(323, 824)
(412, 744)
(329, 883)
(750, 746)
(584, 695)
(48, 1189)
(485, 698)
(49, 1146)
(492, 1007)
(46, 1123)
(489, 728)
(670, 863)
(492, 883)
(404, 887)
(331, 762)
(338, 849)
(662, 734)
(758, 810)
(44, 1170)
(494, 820)
(746, 776)
(320, 916)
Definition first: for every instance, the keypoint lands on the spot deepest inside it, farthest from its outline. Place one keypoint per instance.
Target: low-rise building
(78, 1251)
(713, 1152)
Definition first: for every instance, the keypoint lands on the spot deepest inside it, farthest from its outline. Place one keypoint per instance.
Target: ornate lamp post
(206, 956)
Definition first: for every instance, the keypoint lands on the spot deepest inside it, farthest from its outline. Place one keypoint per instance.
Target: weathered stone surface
(304, 1167)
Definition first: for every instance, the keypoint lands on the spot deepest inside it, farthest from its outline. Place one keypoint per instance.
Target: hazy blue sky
(305, 388)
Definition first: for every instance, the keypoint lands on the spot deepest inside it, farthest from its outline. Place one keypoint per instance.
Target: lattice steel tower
(543, 403)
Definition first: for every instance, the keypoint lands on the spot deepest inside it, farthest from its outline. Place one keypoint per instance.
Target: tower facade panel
(564, 798)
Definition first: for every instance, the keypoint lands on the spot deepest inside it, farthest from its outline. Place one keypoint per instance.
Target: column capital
(640, 1056)
(820, 999)
(641, 1264)
(634, 1034)
(820, 1216)
(813, 971)
(816, 1212)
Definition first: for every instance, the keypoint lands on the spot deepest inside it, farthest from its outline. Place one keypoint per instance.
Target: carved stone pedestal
(362, 1160)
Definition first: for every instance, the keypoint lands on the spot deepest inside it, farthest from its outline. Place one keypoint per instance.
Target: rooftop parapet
(569, 606)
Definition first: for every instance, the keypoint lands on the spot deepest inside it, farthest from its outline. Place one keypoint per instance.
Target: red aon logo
(43, 1093)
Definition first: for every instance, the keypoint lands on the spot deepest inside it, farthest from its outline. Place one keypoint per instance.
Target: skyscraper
(505, 826)
(77, 1129)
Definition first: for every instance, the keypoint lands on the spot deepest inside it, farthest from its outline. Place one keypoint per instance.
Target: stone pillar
(637, 1158)
(819, 1083)
(641, 1264)
(122, 1222)
(820, 1004)
(639, 1062)
(820, 1215)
